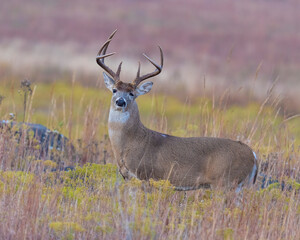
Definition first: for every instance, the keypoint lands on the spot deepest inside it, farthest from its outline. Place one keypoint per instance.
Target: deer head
(125, 93)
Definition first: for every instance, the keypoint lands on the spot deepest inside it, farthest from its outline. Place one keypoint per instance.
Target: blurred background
(210, 46)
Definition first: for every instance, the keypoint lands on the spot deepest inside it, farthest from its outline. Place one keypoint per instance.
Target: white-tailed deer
(188, 163)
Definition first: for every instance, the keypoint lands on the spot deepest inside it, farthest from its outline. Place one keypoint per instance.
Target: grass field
(231, 70)
(94, 202)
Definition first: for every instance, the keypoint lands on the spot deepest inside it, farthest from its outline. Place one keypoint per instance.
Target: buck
(188, 163)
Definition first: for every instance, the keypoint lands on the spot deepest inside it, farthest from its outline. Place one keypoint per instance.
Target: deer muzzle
(121, 102)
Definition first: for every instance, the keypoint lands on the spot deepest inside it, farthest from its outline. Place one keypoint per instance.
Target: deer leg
(125, 172)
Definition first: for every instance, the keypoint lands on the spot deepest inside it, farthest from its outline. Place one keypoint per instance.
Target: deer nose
(121, 102)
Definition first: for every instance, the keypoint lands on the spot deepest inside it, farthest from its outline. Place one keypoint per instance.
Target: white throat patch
(118, 116)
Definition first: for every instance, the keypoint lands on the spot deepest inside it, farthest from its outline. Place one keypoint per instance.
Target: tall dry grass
(94, 202)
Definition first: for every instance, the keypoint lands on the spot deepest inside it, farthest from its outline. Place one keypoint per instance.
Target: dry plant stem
(255, 79)
(254, 127)
(78, 116)
(290, 118)
(64, 110)
(51, 108)
(29, 110)
(70, 123)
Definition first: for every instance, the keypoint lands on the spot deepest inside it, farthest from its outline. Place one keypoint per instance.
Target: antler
(157, 71)
(102, 54)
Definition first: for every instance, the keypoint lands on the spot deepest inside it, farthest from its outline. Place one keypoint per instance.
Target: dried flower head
(26, 86)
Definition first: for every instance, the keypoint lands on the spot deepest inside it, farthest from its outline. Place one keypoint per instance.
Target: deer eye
(114, 90)
(131, 94)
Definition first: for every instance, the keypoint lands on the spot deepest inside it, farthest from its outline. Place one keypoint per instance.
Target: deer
(188, 163)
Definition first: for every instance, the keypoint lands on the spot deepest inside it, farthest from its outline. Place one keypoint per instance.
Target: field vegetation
(94, 202)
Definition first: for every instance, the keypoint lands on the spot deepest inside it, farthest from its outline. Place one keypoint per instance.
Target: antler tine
(108, 40)
(102, 54)
(157, 71)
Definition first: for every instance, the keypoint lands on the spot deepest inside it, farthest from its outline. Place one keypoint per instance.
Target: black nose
(121, 102)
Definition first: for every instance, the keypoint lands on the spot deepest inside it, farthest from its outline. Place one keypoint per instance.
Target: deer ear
(109, 82)
(143, 88)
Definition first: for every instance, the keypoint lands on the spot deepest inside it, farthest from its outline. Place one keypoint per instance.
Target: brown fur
(126, 87)
(186, 162)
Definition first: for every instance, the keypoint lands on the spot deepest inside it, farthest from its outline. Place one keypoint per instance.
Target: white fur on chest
(118, 116)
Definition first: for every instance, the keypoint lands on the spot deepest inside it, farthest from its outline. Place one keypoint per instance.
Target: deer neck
(124, 128)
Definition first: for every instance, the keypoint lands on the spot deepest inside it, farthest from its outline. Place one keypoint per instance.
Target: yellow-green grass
(94, 202)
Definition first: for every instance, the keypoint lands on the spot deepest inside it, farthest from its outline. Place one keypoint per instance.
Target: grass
(94, 202)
